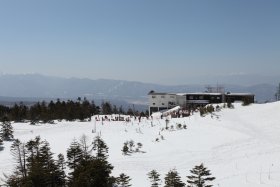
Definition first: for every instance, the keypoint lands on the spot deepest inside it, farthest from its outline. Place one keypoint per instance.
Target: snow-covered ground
(241, 146)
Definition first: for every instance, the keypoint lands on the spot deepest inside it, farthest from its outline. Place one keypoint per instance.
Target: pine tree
(101, 148)
(1, 144)
(92, 172)
(51, 172)
(42, 169)
(19, 153)
(173, 179)
(125, 149)
(6, 130)
(74, 155)
(200, 177)
(123, 180)
(33, 147)
(154, 178)
(106, 108)
(36, 166)
(61, 167)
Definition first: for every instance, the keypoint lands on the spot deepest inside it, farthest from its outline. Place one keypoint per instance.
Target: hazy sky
(160, 41)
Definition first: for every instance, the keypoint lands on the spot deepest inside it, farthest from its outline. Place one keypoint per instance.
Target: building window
(154, 96)
(201, 97)
(162, 103)
(191, 97)
(162, 96)
(172, 97)
(154, 103)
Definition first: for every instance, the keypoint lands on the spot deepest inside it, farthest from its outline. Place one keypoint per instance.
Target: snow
(161, 113)
(240, 146)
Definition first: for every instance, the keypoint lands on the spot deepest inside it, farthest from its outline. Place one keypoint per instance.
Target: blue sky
(160, 41)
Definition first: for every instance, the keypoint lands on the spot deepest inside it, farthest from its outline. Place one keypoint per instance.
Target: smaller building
(161, 101)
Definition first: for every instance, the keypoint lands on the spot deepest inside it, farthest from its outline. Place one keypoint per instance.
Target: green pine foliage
(154, 177)
(6, 132)
(89, 170)
(19, 153)
(172, 179)
(1, 144)
(35, 165)
(92, 172)
(200, 177)
(125, 149)
(74, 155)
(70, 110)
(100, 147)
(61, 164)
(106, 108)
(43, 112)
(123, 180)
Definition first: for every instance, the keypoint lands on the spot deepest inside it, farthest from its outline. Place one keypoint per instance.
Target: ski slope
(240, 146)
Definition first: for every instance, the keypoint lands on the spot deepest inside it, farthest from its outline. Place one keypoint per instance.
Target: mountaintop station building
(161, 101)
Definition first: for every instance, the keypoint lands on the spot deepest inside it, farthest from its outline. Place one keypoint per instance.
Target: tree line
(70, 110)
(87, 164)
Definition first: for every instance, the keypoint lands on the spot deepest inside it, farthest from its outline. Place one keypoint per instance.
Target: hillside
(241, 146)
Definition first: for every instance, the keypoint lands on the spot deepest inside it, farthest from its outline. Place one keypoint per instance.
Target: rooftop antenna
(217, 89)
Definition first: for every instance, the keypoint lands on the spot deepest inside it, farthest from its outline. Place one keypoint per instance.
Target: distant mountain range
(34, 87)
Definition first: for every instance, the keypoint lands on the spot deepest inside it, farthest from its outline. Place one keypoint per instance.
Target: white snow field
(240, 146)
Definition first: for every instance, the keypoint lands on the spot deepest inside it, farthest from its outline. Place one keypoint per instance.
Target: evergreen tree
(92, 172)
(86, 108)
(4, 111)
(123, 180)
(130, 112)
(34, 113)
(33, 147)
(74, 155)
(115, 109)
(50, 170)
(154, 178)
(173, 179)
(101, 148)
(61, 167)
(19, 153)
(1, 144)
(106, 108)
(121, 111)
(125, 149)
(200, 177)
(36, 166)
(6, 130)
(94, 109)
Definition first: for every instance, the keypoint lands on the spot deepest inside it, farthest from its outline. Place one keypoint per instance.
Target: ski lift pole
(166, 123)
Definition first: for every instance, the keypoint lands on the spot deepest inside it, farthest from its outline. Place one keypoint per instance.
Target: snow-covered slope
(240, 146)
